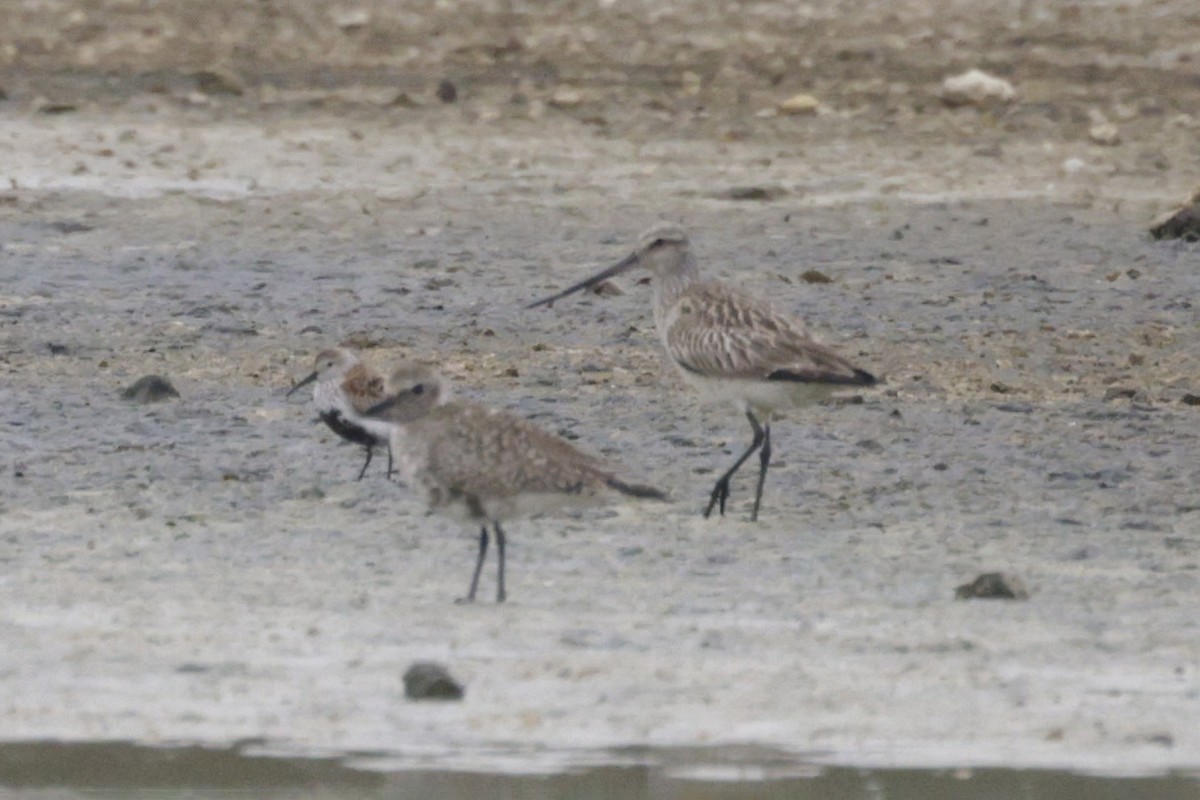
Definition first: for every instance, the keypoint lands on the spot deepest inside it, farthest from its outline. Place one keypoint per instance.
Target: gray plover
(486, 466)
(731, 346)
(345, 388)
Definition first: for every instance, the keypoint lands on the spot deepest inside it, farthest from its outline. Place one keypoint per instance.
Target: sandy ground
(207, 570)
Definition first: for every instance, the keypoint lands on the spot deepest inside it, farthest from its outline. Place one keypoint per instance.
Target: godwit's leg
(764, 459)
(390, 470)
(483, 545)
(720, 492)
(500, 542)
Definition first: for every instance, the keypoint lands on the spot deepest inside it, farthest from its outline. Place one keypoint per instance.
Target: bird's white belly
(762, 396)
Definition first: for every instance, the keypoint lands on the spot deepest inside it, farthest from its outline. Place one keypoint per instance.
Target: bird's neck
(670, 284)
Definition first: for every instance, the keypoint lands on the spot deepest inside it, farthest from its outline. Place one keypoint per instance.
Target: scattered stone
(799, 104)
(566, 97)
(1190, 399)
(351, 19)
(57, 349)
(1073, 166)
(211, 82)
(1119, 393)
(993, 586)
(1105, 133)
(53, 109)
(428, 680)
(1000, 388)
(447, 92)
(402, 100)
(70, 226)
(760, 193)
(1183, 223)
(815, 276)
(976, 88)
(149, 389)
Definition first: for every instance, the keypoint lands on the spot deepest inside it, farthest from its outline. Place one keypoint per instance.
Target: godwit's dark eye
(419, 388)
(658, 243)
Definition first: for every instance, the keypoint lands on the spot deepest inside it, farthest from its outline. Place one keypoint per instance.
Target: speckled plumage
(344, 388)
(487, 466)
(730, 345)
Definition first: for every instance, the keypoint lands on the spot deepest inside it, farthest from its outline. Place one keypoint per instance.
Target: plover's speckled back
(730, 345)
(345, 388)
(486, 466)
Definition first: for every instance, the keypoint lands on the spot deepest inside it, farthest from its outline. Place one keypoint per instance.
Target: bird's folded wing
(477, 451)
(721, 333)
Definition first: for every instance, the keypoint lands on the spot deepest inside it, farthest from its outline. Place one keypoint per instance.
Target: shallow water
(53, 770)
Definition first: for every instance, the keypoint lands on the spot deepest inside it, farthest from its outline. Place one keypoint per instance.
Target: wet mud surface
(206, 569)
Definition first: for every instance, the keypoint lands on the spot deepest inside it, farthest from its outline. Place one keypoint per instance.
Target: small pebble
(1183, 223)
(1105, 133)
(764, 193)
(149, 389)
(993, 586)
(566, 98)
(1119, 393)
(428, 680)
(447, 92)
(976, 88)
(799, 104)
(210, 82)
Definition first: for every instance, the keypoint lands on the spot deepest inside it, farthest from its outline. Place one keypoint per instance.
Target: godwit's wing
(715, 331)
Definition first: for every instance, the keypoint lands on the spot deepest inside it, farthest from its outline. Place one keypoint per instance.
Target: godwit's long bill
(487, 466)
(730, 345)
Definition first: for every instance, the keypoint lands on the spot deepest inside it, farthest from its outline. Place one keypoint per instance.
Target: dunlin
(345, 388)
(486, 466)
(731, 346)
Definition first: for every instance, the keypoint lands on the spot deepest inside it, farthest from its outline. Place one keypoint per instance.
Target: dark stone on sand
(1183, 223)
(447, 92)
(815, 276)
(993, 586)
(1119, 393)
(759, 193)
(213, 83)
(149, 389)
(428, 680)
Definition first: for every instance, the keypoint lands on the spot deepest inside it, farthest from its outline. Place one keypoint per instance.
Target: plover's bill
(487, 466)
(345, 388)
(730, 345)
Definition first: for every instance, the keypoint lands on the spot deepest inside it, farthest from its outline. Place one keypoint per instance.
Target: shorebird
(345, 388)
(485, 466)
(730, 345)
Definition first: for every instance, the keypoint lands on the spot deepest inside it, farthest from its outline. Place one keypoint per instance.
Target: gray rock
(149, 389)
(428, 680)
(993, 586)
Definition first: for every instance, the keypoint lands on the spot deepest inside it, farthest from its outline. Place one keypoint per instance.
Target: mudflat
(216, 209)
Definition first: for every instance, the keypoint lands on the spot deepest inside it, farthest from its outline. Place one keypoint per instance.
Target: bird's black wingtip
(635, 490)
(864, 378)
